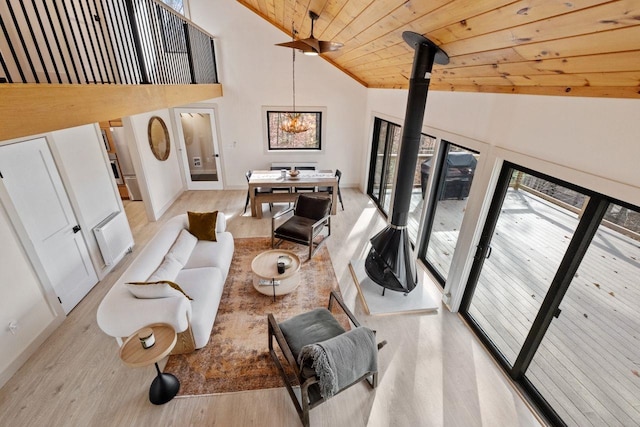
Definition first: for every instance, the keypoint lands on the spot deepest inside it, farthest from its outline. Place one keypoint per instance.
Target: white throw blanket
(340, 361)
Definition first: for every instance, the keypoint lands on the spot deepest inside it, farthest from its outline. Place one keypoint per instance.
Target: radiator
(114, 237)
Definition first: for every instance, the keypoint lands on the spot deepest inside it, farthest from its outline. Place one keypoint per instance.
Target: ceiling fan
(311, 45)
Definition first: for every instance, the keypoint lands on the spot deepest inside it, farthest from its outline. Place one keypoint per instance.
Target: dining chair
(305, 168)
(258, 190)
(330, 189)
(281, 190)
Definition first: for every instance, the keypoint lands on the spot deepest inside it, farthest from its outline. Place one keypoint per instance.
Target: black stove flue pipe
(390, 262)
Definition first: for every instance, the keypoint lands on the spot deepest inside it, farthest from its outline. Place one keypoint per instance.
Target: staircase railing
(102, 42)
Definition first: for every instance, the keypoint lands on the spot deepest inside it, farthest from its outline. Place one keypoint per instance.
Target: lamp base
(163, 388)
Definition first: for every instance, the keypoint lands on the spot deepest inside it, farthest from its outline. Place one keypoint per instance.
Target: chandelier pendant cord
(293, 65)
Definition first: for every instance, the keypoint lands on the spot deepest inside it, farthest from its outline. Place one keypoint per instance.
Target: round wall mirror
(159, 138)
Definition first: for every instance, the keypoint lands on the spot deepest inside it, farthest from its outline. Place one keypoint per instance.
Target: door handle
(217, 155)
(76, 229)
(556, 313)
(488, 253)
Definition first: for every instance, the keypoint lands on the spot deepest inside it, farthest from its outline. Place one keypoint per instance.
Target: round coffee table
(267, 280)
(165, 386)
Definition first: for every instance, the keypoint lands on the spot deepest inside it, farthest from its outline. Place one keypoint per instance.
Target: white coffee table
(266, 278)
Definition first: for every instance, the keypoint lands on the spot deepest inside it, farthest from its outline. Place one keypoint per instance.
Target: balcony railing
(102, 42)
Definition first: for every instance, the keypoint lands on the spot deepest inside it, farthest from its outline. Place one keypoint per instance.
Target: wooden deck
(589, 362)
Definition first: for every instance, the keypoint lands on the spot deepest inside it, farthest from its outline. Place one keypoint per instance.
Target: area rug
(237, 357)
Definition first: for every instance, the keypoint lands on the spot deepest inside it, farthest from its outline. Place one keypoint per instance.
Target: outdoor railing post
(144, 74)
(187, 40)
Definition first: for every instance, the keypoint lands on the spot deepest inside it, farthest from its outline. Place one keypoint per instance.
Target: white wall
(83, 165)
(21, 299)
(161, 182)
(255, 73)
(592, 142)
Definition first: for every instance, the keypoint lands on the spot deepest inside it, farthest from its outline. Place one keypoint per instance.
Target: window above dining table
(311, 119)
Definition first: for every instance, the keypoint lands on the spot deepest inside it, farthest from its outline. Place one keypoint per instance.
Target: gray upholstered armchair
(326, 358)
(311, 215)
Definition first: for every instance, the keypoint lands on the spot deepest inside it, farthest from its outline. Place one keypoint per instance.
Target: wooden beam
(30, 109)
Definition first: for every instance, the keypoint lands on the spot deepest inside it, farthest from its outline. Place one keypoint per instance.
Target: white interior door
(198, 147)
(39, 197)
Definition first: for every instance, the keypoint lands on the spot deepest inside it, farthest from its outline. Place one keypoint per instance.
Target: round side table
(267, 280)
(164, 386)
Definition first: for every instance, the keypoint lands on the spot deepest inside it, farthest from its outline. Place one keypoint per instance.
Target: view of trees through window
(281, 140)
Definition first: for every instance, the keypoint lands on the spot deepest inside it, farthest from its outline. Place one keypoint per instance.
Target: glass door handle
(488, 253)
(556, 313)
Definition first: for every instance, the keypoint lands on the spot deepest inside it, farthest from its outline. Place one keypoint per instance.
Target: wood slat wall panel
(300, 16)
(591, 79)
(287, 18)
(514, 14)
(606, 17)
(497, 43)
(385, 32)
(616, 40)
(389, 52)
(611, 63)
(271, 9)
(363, 64)
(585, 91)
(622, 61)
(485, 58)
(396, 61)
(348, 12)
(374, 12)
(262, 7)
(442, 16)
(325, 18)
(329, 12)
(631, 78)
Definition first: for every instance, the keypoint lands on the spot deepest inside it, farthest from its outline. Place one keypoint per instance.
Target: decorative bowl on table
(294, 174)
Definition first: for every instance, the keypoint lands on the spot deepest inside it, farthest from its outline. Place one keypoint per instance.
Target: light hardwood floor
(433, 372)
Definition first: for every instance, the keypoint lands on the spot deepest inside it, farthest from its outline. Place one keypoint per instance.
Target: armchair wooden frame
(314, 231)
(309, 395)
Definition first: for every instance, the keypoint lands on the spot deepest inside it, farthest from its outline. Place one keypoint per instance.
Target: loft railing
(102, 42)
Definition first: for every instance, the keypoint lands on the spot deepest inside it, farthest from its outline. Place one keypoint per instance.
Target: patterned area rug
(237, 356)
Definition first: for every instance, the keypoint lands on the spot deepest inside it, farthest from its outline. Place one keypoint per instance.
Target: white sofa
(202, 277)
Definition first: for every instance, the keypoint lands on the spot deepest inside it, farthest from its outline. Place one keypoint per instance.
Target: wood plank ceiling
(548, 47)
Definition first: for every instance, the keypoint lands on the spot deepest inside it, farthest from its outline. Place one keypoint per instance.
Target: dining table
(265, 179)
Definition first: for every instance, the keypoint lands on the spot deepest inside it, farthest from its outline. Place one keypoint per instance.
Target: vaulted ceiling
(552, 47)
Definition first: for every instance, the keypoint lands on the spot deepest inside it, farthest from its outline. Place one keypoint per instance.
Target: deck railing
(617, 218)
(102, 42)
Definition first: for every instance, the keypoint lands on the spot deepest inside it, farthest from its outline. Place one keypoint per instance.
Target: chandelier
(292, 122)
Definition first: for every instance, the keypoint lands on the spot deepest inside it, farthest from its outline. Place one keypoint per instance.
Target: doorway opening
(198, 145)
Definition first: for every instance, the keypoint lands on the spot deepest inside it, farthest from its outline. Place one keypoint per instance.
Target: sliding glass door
(587, 366)
(454, 169)
(382, 170)
(553, 293)
(384, 155)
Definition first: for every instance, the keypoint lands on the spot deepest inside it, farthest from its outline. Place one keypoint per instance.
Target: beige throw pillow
(159, 289)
